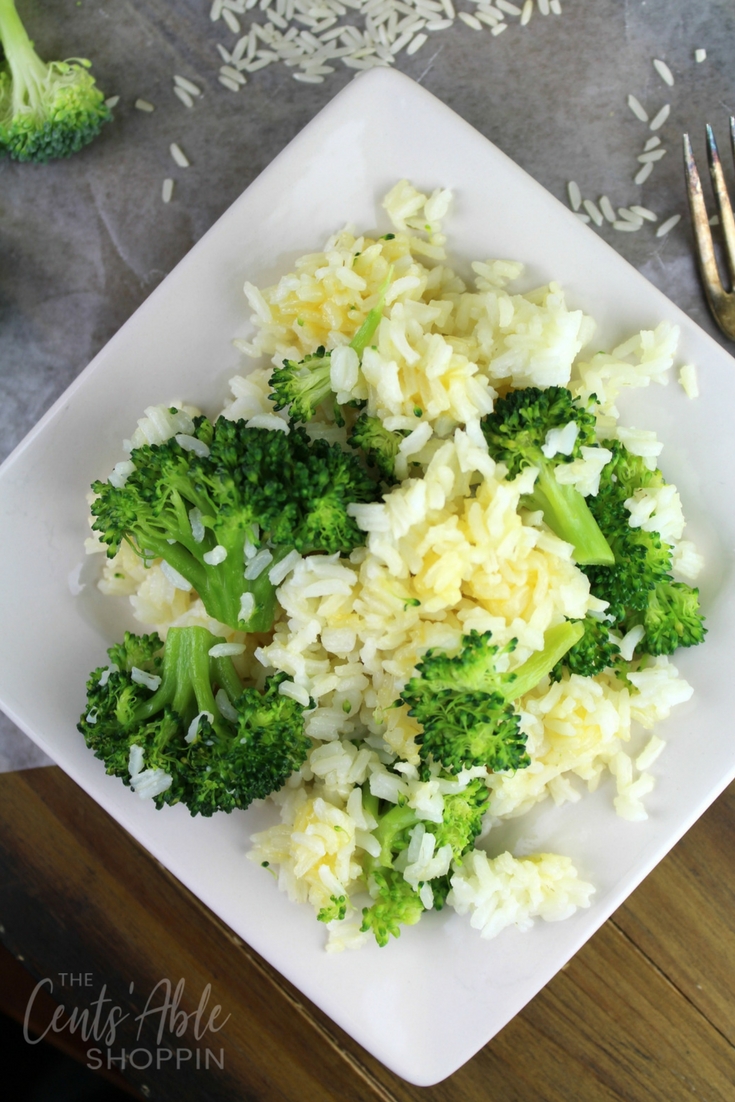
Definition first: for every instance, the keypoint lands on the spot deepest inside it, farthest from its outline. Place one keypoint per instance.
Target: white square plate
(426, 1003)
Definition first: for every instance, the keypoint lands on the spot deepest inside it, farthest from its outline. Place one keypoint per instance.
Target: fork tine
(723, 201)
(702, 233)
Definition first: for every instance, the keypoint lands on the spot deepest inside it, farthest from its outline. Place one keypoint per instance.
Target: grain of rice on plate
(449, 550)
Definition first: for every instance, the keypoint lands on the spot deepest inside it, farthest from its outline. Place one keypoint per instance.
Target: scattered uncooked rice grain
(629, 215)
(144, 105)
(308, 38)
(668, 225)
(637, 108)
(231, 20)
(661, 117)
(607, 208)
(112, 101)
(664, 72)
(575, 195)
(179, 156)
(644, 212)
(167, 189)
(183, 96)
(594, 212)
(187, 85)
(642, 175)
(700, 55)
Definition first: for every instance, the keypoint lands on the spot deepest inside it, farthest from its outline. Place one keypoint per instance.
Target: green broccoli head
(516, 433)
(396, 904)
(46, 110)
(199, 502)
(639, 588)
(671, 619)
(464, 729)
(335, 910)
(591, 654)
(641, 558)
(324, 481)
(302, 385)
(473, 669)
(464, 703)
(142, 651)
(175, 721)
(518, 427)
(379, 444)
(462, 819)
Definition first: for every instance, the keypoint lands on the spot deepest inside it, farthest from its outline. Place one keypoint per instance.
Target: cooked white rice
(448, 550)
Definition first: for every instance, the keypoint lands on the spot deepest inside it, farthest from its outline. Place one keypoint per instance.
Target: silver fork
(721, 302)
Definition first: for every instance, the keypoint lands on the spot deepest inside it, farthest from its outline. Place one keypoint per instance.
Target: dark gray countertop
(84, 241)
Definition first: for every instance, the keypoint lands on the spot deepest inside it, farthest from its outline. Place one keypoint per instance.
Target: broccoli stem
(187, 676)
(365, 333)
(29, 73)
(399, 818)
(557, 641)
(264, 593)
(567, 514)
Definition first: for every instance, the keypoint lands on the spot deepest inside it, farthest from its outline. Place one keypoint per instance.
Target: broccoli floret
(639, 588)
(464, 704)
(200, 503)
(379, 444)
(462, 819)
(397, 903)
(516, 433)
(303, 385)
(335, 910)
(177, 722)
(46, 110)
(671, 618)
(591, 654)
(641, 558)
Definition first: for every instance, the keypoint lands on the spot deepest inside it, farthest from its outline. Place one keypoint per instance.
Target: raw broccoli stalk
(592, 654)
(516, 433)
(379, 444)
(397, 903)
(464, 704)
(303, 385)
(201, 502)
(639, 588)
(46, 110)
(177, 724)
